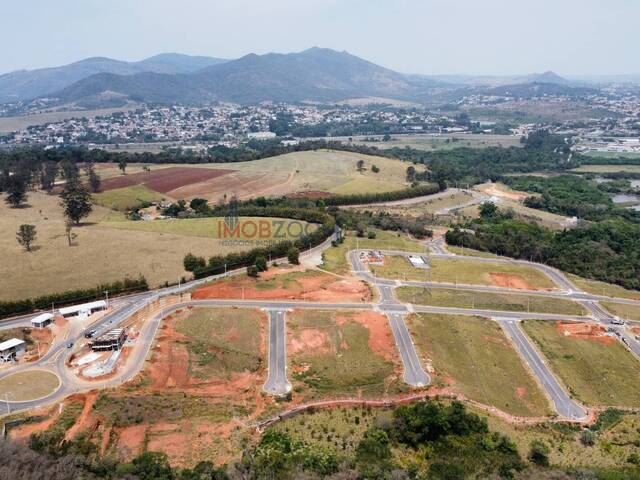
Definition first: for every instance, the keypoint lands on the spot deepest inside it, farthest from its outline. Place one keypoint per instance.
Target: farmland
(342, 354)
(326, 172)
(103, 251)
(465, 272)
(443, 297)
(445, 141)
(472, 356)
(595, 368)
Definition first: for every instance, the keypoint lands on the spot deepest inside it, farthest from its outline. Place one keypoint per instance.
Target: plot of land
(442, 297)
(342, 353)
(596, 368)
(30, 385)
(445, 141)
(335, 258)
(103, 251)
(607, 168)
(601, 288)
(471, 355)
(123, 199)
(164, 179)
(285, 284)
(623, 310)
(440, 203)
(466, 272)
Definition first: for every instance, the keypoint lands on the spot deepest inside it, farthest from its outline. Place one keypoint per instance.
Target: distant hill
(538, 89)
(497, 81)
(316, 74)
(28, 84)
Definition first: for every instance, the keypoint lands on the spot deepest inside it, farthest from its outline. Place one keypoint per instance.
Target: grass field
(612, 154)
(469, 252)
(472, 355)
(445, 141)
(601, 288)
(625, 311)
(30, 385)
(442, 297)
(334, 259)
(332, 354)
(462, 271)
(104, 251)
(431, 206)
(123, 199)
(597, 373)
(222, 341)
(607, 168)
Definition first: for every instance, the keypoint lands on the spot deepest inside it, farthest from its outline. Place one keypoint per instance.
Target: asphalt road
(564, 405)
(414, 374)
(277, 383)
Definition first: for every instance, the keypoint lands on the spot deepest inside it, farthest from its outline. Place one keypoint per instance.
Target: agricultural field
(126, 198)
(205, 372)
(595, 154)
(472, 356)
(595, 367)
(465, 272)
(334, 259)
(623, 310)
(445, 297)
(342, 354)
(288, 283)
(103, 251)
(318, 173)
(445, 141)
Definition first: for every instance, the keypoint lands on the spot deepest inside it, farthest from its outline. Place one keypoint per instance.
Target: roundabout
(28, 386)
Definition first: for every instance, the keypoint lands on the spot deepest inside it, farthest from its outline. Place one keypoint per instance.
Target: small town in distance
(351, 252)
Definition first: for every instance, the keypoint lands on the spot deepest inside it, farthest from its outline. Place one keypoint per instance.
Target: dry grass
(623, 310)
(30, 385)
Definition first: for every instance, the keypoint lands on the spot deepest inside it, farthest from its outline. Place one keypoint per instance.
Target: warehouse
(42, 320)
(112, 340)
(84, 310)
(11, 349)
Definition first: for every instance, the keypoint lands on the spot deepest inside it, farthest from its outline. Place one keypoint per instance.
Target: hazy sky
(412, 36)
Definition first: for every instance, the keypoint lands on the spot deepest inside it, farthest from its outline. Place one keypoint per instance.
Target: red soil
(585, 331)
(164, 179)
(21, 433)
(131, 440)
(83, 420)
(510, 281)
(309, 341)
(313, 286)
(380, 338)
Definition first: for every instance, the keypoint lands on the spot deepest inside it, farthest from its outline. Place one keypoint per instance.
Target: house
(42, 320)
(84, 310)
(112, 340)
(11, 349)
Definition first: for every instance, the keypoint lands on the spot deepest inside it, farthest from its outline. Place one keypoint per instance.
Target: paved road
(277, 383)
(414, 374)
(564, 405)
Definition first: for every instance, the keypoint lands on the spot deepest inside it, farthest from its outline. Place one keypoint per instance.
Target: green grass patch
(445, 297)
(623, 310)
(596, 287)
(470, 252)
(123, 199)
(460, 271)
(473, 355)
(341, 361)
(334, 259)
(609, 168)
(222, 341)
(28, 385)
(597, 373)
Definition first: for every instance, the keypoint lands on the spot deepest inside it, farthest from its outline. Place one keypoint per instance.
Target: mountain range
(316, 74)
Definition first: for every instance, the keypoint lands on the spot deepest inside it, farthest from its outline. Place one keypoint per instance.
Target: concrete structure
(42, 320)
(418, 261)
(11, 349)
(84, 310)
(112, 340)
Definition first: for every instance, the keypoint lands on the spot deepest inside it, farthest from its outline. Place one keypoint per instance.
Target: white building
(261, 135)
(84, 310)
(42, 320)
(11, 349)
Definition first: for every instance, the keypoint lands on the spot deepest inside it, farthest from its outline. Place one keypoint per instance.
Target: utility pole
(6, 399)
(106, 292)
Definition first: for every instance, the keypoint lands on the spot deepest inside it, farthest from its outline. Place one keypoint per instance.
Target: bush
(539, 453)
(192, 263)
(252, 271)
(588, 438)
(293, 256)
(261, 264)
(371, 235)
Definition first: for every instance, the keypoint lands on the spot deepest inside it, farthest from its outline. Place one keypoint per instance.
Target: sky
(480, 37)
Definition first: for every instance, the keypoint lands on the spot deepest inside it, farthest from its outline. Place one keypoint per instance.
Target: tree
(122, 165)
(68, 226)
(360, 165)
(199, 205)
(76, 201)
(411, 173)
(70, 171)
(16, 187)
(488, 210)
(375, 169)
(539, 453)
(192, 263)
(588, 437)
(293, 256)
(94, 178)
(152, 466)
(261, 264)
(252, 271)
(26, 236)
(48, 176)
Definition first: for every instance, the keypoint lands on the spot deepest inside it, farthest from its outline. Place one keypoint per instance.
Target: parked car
(70, 345)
